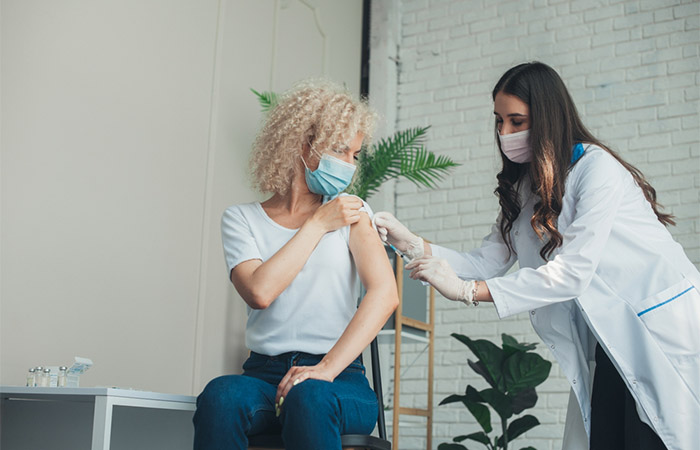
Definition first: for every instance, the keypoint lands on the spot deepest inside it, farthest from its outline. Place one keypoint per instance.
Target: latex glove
(441, 276)
(395, 233)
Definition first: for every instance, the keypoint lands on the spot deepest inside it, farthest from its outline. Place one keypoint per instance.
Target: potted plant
(512, 372)
(401, 155)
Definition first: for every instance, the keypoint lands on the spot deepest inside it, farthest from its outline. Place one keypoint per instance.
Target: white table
(95, 418)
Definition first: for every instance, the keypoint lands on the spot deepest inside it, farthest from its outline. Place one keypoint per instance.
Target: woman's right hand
(395, 233)
(338, 213)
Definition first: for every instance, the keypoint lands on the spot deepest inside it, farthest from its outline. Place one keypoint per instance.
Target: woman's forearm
(374, 311)
(273, 276)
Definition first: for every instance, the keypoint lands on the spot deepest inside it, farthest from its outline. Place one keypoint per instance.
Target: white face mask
(516, 146)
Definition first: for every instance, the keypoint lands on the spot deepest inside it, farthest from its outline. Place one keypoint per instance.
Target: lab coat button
(517, 232)
(573, 381)
(552, 346)
(532, 312)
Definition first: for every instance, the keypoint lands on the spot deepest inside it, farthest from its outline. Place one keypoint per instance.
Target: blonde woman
(295, 259)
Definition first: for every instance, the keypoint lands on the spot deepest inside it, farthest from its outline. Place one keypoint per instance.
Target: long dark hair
(555, 127)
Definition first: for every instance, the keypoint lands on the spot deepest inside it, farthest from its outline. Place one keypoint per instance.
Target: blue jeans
(314, 414)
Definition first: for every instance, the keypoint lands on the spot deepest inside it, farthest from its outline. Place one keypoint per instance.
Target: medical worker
(599, 274)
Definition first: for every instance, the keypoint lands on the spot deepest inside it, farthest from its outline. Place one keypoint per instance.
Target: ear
(306, 152)
(308, 158)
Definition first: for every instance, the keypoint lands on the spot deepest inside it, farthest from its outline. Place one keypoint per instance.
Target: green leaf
(511, 345)
(402, 155)
(480, 368)
(498, 401)
(525, 370)
(478, 437)
(382, 162)
(490, 355)
(446, 446)
(473, 395)
(473, 401)
(267, 100)
(423, 167)
(480, 412)
(519, 426)
(523, 400)
(454, 398)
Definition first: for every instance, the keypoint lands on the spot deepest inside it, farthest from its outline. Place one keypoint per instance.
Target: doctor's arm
(491, 259)
(260, 283)
(376, 307)
(597, 191)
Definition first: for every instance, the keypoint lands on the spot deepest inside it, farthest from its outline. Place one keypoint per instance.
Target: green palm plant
(402, 155)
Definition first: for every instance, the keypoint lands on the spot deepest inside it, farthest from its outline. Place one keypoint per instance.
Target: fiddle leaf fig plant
(402, 155)
(512, 372)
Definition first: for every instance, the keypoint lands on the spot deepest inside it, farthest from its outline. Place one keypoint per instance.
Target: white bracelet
(468, 293)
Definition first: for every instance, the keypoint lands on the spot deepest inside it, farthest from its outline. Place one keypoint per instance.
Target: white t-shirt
(314, 310)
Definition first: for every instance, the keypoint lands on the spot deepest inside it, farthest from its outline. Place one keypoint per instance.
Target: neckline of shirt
(272, 222)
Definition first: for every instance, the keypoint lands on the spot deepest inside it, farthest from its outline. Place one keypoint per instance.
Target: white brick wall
(632, 68)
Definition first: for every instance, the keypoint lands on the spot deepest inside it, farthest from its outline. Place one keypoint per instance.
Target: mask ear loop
(310, 150)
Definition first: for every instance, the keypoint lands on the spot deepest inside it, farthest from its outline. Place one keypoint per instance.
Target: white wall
(125, 132)
(632, 68)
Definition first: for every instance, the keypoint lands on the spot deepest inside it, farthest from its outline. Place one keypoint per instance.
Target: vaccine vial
(31, 377)
(38, 373)
(62, 376)
(46, 378)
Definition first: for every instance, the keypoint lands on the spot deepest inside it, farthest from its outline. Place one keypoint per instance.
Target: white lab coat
(619, 279)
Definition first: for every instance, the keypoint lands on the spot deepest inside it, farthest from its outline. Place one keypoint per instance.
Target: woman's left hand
(296, 375)
(439, 274)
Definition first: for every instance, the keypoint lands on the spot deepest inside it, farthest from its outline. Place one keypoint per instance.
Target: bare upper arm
(242, 279)
(367, 249)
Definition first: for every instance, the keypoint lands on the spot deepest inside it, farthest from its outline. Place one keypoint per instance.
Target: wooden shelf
(399, 321)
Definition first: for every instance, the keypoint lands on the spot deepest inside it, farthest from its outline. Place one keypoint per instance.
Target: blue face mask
(331, 178)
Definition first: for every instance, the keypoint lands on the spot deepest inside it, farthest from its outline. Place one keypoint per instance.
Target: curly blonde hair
(316, 112)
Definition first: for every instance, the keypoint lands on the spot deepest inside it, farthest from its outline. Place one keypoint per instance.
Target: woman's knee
(311, 396)
(227, 394)
(215, 391)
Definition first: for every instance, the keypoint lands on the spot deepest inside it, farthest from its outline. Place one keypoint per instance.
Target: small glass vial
(38, 373)
(46, 378)
(62, 376)
(31, 377)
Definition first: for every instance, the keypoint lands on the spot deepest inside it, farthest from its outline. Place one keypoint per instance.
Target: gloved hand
(439, 274)
(395, 233)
